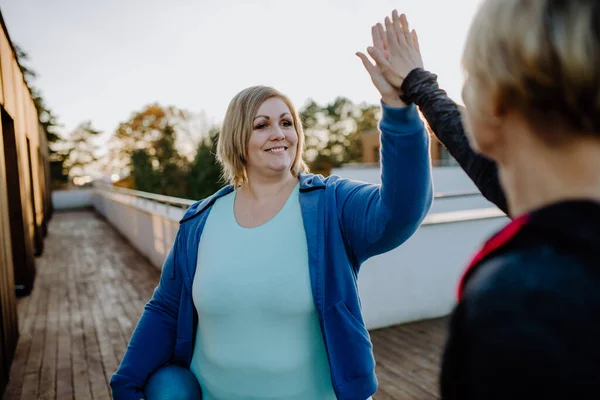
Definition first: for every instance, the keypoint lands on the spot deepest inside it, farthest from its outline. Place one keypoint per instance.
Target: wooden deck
(90, 290)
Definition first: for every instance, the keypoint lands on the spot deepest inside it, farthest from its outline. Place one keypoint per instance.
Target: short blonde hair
(238, 125)
(540, 57)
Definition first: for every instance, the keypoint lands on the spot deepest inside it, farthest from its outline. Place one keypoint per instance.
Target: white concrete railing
(71, 199)
(150, 226)
(418, 280)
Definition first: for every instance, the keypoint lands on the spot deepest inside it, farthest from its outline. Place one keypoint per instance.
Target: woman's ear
(498, 108)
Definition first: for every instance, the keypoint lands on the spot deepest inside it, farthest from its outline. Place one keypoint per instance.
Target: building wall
(23, 193)
(370, 149)
(450, 179)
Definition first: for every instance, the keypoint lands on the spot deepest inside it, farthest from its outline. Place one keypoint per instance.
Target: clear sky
(103, 60)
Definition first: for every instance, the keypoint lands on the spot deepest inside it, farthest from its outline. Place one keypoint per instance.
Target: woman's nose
(277, 133)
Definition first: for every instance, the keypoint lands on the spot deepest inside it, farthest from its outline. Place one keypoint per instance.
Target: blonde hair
(237, 127)
(540, 57)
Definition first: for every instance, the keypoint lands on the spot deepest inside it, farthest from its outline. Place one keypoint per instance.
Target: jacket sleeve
(378, 218)
(444, 118)
(153, 340)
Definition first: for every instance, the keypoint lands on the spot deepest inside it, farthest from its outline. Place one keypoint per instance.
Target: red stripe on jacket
(493, 244)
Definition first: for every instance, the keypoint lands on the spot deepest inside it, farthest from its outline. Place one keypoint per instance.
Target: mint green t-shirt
(258, 334)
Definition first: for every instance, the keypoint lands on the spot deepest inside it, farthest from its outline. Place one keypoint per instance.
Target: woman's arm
(444, 117)
(398, 56)
(378, 218)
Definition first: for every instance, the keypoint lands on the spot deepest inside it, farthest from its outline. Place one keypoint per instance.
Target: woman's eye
(287, 124)
(260, 126)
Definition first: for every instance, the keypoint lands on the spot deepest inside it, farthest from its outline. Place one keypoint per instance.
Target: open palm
(396, 49)
(389, 94)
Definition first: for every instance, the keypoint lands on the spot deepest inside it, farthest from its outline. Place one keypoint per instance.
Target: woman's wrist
(394, 102)
(415, 83)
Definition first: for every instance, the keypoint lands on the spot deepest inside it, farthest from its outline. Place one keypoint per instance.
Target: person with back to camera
(258, 296)
(527, 322)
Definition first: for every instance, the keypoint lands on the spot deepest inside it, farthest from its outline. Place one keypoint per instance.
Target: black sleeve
(533, 343)
(443, 115)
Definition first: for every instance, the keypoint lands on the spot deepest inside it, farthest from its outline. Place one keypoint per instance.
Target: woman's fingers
(380, 57)
(406, 29)
(386, 90)
(415, 41)
(383, 36)
(371, 69)
(377, 40)
(397, 27)
(392, 38)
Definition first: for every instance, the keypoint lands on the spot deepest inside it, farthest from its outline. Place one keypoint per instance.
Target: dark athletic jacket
(527, 324)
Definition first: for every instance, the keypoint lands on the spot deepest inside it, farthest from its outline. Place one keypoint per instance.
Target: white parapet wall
(150, 227)
(72, 199)
(418, 280)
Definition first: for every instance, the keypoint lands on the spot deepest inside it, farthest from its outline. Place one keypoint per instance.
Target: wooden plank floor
(90, 290)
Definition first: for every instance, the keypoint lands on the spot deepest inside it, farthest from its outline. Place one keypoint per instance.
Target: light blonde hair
(540, 57)
(237, 127)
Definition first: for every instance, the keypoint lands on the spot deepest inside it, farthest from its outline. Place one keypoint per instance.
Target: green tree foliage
(149, 138)
(204, 177)
(160, 168)
(82, 150)
(333, 132)
(57, 146)
(23, 58)
(143, 129)
(170, 165)
(145, 178)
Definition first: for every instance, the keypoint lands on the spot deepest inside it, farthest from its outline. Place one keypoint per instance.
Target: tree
(170, 165)
(49, 121)
(204, 177)
(333, 132)
(22, 57)
(81, 150)
(57, 147)
(141, 131)
(160, 168)
(145, 178)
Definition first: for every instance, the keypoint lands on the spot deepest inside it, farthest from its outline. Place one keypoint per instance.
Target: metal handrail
(448, 217)
(447, 195)
(159, 198)
(184, 203)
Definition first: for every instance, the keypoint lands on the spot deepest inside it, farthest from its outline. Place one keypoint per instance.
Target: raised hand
(395, 49)
(389, 94)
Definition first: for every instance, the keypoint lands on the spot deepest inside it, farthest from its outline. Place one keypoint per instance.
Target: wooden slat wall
(8, 311)
(31, 195)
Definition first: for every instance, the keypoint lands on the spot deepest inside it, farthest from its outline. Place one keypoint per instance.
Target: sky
(104, 60)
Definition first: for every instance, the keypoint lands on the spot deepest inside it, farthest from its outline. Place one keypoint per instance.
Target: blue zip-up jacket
(346, 222)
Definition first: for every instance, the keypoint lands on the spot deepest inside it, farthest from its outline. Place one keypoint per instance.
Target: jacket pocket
(349, 344)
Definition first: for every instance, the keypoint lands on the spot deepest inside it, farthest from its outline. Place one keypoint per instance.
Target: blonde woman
(258, 297)
(527, 322)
